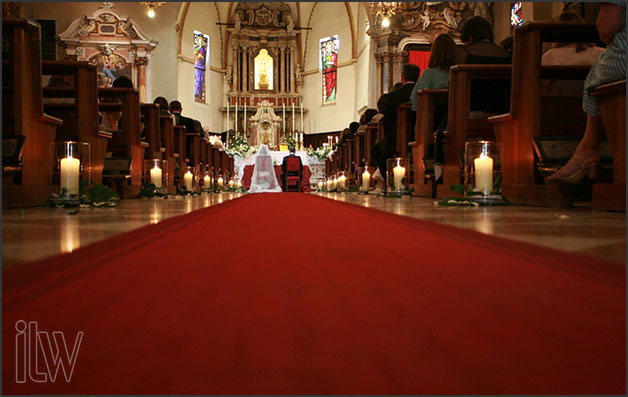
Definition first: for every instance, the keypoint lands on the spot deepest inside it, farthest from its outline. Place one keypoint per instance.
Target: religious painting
(516, 14)
(329, 67)
(201, 54)
(110, 67)
(263, 71)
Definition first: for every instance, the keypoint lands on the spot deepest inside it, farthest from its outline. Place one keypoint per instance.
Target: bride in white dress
(264, 179)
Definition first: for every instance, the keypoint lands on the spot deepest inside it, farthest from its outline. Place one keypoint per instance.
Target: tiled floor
(34, 233)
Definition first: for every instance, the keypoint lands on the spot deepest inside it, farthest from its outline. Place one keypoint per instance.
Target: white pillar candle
(301, 115)
(187, 178)
(236, 117)
(399, 173)
(155, 176)
(228, 100)
(366, 179)
(334, 183)
(70, 171)
(483, 173)
(244, 115)
(239, 185)
(329, 184)
(341, 181)
(231, 183)
(220, 182)
(320, 185)
(293, 117)
(208, 181)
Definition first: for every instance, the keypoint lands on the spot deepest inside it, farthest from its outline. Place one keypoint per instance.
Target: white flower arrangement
(321, 153)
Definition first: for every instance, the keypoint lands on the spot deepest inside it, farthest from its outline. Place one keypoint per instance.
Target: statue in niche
(263, 71)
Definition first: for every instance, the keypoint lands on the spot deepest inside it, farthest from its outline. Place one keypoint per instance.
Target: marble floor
(35, 233)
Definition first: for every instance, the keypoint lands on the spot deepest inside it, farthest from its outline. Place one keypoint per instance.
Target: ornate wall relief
(117, 45)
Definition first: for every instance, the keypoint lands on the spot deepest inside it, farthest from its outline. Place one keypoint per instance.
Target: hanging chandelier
(385, 9)
(152, 6)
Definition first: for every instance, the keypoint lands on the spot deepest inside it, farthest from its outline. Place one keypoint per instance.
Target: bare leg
(587, 151)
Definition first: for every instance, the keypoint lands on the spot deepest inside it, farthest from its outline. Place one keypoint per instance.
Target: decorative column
(386, 75)
(291, 69)
(141, 63)
(282, 62)
(236, 68)
(398, 60)
(378, 61)
(245, 77)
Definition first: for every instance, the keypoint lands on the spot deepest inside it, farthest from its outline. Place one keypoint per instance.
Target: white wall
(202, 17)
(329, 19)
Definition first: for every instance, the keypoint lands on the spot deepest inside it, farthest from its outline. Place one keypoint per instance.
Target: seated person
(164, 108)
(583, 54)
(353, 128)
(610, 66)
(264, 179)
(436, 76)
(176, 109)
(387, 147)
(284, 167)
(487, 96)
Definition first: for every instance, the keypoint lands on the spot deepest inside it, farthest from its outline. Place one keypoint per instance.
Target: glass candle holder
(328, 184)
(342, 181)
(190, 179)
(334, 183)
(72, 164)
(220, 183)
(364, 179)
(397, 175)
(156, 172)
(207, 182)
(482, 174)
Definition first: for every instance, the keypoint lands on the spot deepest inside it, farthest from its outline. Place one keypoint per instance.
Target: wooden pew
(80, 113)
(370, 139)
(125, 142)
(180, 150)
(152, 131)
(193, 144)
(359, 146)
(405, 124)
(516, 130)
(26, 178)
(166, 131)
(428, 100)
(348, 153)
(612, 103)
(462, 123)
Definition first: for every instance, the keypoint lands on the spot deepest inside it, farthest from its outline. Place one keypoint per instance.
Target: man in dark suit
(387, 147)
(284, 167)
(188, 123)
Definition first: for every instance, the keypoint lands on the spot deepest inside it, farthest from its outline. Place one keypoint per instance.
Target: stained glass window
(201, 54)
(329, 67)
(516, 14)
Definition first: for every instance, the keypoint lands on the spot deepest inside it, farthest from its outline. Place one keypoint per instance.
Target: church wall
(329, 19)
(365, 67)
(202, 17)
(161, 28)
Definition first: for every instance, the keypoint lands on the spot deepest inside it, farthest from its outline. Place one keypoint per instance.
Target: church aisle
(35, 233)
(378, 305)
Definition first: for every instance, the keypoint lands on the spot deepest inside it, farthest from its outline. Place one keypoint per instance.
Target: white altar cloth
(277, 156)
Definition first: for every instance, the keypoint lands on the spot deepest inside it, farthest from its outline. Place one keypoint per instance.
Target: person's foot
(576, 169)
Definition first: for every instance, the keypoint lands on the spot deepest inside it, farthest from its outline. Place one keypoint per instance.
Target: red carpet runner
(290, 293)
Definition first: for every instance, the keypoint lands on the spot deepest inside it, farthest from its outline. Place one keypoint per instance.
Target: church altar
(277, 156)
